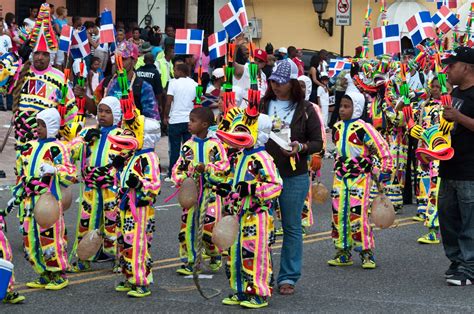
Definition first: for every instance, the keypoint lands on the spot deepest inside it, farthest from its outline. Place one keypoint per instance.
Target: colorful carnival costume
(98, 202)
(255, 184)
(6, 254)
(139, 186)
(43, 89)
(211, 153)
(44, 166)
(356, 142)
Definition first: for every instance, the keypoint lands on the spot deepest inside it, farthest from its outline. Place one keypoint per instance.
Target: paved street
(409, 277)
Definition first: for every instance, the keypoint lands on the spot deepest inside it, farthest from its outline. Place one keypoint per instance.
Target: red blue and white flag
(338, 65)
(217, 44)
(451, 4)
(445, 19)
(80, 47)
(107, 30)
(420, 26)
(65, 38)
(386, 40)
(234, 17)
(188, 41)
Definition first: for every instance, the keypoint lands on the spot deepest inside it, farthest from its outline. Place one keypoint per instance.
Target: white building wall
(158, 12)
(217, 22)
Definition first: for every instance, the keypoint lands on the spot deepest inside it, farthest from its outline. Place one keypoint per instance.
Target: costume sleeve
(377, 145)
(219, 169)
(71, 108)
(269, 183)
(18, 190)
(148, 101)
(183, 168)
(66, 171)
(76, 148)
(150, 177)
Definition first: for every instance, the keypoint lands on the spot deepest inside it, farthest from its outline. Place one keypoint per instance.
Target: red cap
(260, 54)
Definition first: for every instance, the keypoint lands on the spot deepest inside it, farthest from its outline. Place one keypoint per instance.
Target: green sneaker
(255, 302)
(80, 267)
(418, 217)
(123, 286)
(279, 231)
(429, 238)
(342, 258)
(117, 269)
(39, 283)
(368, 260)
(139, 292)
(57, 282)
(215, 263)
(234, 299)
(303, 231)
(13, 298)
(185, 270)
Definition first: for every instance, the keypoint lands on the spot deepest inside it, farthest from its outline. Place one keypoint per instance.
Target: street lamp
(320, 7)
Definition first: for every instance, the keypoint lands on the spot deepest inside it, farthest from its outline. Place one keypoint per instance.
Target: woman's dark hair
(9, 18)
(314, 62)
(136, 29)
(183, 68)
(89, 24)
(296, 94)
(154, 38)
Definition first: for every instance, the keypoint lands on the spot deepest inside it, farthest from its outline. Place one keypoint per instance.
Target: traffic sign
(343, 12)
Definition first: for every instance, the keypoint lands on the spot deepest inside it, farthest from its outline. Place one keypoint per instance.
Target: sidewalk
(8, 157)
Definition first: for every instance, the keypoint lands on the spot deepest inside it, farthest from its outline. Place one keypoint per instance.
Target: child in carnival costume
(96, 155)
(204, 159)
(139, 186)
(254, 184)
(44, 165)
(356, 142)
(426, 124)
(6, 253)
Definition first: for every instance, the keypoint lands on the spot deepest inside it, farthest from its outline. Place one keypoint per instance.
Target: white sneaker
(168, 179)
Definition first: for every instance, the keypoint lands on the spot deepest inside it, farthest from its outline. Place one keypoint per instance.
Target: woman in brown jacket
(291, 115)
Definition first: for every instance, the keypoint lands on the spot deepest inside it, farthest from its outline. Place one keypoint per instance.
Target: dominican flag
(80, 44)
(444, 19)
(217, 45)
(234, 17)
(65, 38)
(338, 65)
(451, 4)
(188, 41)
(386, 40)
(107, 31)
(420, 26)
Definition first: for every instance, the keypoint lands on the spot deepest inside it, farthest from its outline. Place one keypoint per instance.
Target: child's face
(346, 109)
(41, 130)
(120, 36)
(303, 87)
(325, 82)
(95, 65)
(105, 116)
(196, 125)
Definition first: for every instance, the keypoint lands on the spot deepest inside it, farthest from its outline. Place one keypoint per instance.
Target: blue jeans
(178, 134)
(291, 201)
(9, 98)
(456, 222)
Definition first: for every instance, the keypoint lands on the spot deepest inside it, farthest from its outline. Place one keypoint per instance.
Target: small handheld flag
(188, 41)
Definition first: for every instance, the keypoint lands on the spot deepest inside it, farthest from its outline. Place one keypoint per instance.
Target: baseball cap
(283, 50)
(284, 71)
(460, 54)
(260, 54)
(218, 73)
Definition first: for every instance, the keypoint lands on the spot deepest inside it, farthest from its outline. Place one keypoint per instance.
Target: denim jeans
(291, 201)
(9, 99)
(456, 222)
(178, 134)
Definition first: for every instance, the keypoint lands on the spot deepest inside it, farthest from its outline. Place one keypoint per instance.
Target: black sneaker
(460, 279)
(452, 270)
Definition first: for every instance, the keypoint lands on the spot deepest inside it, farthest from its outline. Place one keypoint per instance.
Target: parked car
(309, 53)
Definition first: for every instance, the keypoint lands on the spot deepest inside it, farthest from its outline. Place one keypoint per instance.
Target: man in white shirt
(5, 40)
(179, 103)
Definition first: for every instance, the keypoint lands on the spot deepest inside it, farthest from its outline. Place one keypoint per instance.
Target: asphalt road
(409, 276)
